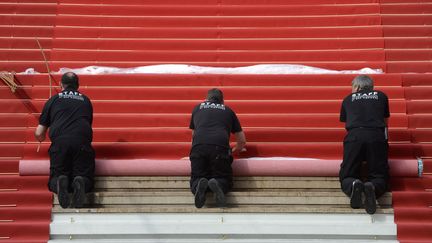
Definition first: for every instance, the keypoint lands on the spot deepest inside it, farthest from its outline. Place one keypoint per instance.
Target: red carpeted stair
(146, 115)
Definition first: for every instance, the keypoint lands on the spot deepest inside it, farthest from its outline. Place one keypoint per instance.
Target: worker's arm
(40, 133)
(241, 142)
(386, 121)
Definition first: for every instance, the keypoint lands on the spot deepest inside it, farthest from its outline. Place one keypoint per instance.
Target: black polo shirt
(68, 114)
(365, 109)
(212, 124)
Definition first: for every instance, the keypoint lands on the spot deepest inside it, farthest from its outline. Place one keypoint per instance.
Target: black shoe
(200, 193)
(370, 199)
(356, 194)
(78, 196)
(62, 191)
(218, 193)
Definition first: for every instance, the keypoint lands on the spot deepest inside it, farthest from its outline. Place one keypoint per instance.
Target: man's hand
(40, 133)
(241, 142)
(235, 150)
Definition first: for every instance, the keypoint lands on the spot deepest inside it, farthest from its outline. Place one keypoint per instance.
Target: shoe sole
(78, 196)
(370, 199)
(62, 192)
(200, 194)
(218, 193)
(356, 198)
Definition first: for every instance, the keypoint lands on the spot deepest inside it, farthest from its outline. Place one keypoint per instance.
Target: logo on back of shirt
(71, 95)
(364, 96)
(210, 105)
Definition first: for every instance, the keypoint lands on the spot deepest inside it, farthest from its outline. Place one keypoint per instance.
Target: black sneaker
(370, 199)
(217, 192)
(62, 191)
(78, 196)
(200, 193)
(356, 194)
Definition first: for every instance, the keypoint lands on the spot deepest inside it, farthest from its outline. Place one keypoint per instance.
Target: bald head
(70, 81)
(215, 95)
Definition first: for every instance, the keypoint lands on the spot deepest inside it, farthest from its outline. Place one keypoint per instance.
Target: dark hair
(70, 81)
(363, 82)
(215, 95)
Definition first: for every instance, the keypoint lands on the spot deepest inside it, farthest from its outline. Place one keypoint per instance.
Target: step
(107, 120)
(26, 8)
(407, 31)
(409, 66)
(28, 19)
(155, 150)
(228, 32)
(169, 56)
(267, 208)
(14, 120)
(23, 231)
(427, 165)
(406, 8)
(419, 106)
(23, 183)
(404, 198)
(197, 93)
(211, 21)
(422, 135)
(8, 165)
(417, 79)
(24, 42)
(113, 183)
(26, 31)
(183, 134)
(176, 44)
(409, 55)
(222, 225)
(408, 43)
(418, 93)
(136, 199)
(24, 213)
(415, 232)
(239, 106)
(215, 10)
(406, 19)
(26, 197)
(213, 2)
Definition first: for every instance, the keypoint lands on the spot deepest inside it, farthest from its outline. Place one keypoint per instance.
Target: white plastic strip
(192, 69)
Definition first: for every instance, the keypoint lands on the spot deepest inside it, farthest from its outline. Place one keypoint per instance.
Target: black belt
(370, 128)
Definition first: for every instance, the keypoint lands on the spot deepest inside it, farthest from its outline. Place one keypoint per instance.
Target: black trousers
(370, 145)
(71, 157)
(211, 161)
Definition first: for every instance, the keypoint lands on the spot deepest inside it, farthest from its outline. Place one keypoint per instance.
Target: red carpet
(145, 116)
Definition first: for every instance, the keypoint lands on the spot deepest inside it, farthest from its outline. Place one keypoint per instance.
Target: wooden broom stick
(46, 65)
(49, 77)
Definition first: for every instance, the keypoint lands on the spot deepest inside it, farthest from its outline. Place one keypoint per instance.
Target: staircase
(271, 209)
(146, 115)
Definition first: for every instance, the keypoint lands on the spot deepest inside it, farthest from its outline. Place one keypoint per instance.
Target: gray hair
(363, 82)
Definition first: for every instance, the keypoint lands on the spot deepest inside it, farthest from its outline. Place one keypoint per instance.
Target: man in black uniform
(365, 113)
(69, 116)
(211, 155)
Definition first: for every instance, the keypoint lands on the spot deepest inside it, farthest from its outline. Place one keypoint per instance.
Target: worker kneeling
(365, 113)
(211, 155)
(69, 116)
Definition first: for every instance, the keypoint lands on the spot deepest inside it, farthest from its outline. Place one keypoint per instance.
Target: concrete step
(239, 182)
(204, 227)
(233, 198)
(160, 194)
